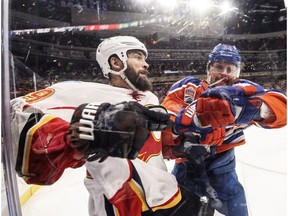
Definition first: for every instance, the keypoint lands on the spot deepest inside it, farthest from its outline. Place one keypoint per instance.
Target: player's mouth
(224, 81)
(220, 82)
(144, 72)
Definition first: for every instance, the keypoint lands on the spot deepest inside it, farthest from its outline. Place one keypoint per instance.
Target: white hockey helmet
(118, 45)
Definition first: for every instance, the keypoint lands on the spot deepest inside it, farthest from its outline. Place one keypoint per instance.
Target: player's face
(73, 136)
(223, 71)
(73, 140)
(137, 70)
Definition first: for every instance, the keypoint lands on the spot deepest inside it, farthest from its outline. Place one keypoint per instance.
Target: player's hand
(204, 115)
(119, 130)
(242, 99)
(215, 112)
(194, 151)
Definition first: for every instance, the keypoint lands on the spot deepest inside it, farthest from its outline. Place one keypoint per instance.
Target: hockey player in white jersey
(51, 136)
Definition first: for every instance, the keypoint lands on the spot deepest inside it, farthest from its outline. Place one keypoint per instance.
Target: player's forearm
(273, 110)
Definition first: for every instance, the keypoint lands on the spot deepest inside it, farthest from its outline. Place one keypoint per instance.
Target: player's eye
(230, 69)
(136, 56)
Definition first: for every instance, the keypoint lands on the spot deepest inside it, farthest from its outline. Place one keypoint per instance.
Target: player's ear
(116, 63)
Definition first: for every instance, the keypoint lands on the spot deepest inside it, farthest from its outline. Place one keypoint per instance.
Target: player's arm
(222, 106)
(273, 110)
(265, 108)
(43, 152)
(248, 102)
(174, 102)
(31, 124)
(181, 94)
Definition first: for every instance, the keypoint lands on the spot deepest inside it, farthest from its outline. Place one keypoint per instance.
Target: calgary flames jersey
(40, 122)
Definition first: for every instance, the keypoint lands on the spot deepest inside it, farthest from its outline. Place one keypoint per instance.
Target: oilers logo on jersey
(189, 95)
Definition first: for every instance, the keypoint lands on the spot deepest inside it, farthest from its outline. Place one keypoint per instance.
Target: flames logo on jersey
(38, 95)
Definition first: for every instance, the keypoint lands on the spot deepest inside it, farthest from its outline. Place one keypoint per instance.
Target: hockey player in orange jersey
(210, 116)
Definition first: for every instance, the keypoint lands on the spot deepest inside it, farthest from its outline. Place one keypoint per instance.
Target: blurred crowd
(70, 54)
(24, 86)
(158, 41)
(41, 60)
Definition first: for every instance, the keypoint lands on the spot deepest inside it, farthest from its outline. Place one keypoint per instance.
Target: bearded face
(138, 78)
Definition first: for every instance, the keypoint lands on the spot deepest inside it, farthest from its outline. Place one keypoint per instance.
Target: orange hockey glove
(215, 112)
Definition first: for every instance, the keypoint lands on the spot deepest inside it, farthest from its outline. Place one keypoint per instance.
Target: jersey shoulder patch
(189, 95)
(36, 96)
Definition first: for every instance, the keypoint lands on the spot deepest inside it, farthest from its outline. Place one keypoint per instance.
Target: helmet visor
(230, 69)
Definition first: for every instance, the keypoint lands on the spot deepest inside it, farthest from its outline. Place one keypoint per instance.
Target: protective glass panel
(53, 69)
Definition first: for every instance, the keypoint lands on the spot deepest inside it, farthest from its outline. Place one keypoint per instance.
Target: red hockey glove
(215, 112)
(241, 97)
(204, 115)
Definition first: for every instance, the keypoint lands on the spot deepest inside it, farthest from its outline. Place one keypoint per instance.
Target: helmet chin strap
(124, 77)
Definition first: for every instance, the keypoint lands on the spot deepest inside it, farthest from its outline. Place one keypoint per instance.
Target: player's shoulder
(151, 98)
(150, 94)
(189, 80)
(245, 82)
(73, 84)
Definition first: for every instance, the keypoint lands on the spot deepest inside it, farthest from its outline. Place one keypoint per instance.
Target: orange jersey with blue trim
(189, 89)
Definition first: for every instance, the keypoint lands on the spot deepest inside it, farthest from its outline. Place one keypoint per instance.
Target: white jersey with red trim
(130, 186)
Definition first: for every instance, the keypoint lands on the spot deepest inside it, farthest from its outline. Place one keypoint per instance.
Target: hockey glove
(118, 130)
(215, 112)
(193, 151)
(242, 100)
(204, 115)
